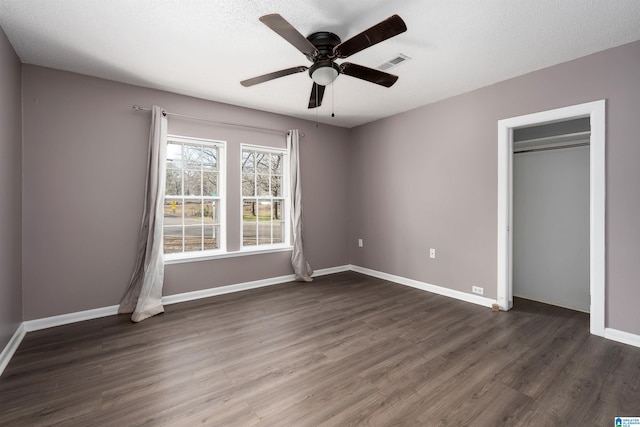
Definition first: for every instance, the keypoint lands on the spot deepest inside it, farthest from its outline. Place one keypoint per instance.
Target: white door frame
(596, 112)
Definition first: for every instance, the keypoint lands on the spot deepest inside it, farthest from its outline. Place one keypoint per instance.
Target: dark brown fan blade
(384, 30)
(368, 74)
(280, 25)
(317, 92)
(274, 75)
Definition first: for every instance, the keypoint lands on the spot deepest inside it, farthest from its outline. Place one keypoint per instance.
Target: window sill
(221, 255)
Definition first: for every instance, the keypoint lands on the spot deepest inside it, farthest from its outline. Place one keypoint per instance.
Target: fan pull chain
(332, 97)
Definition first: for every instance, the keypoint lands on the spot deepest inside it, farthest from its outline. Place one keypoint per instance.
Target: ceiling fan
(323, 48)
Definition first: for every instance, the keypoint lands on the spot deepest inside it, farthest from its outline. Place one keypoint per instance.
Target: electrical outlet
(477, 290)
(432, 253)
(360, 243)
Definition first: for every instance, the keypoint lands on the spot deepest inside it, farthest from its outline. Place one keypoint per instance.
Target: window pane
(276, 164)
(262, 163)
(248, 162)
(210, 212)
(193, 156)
(264, 211)
(263, 185)
(192, 238)
(248, 185)
(172, 212)
(278, 206)
(192, 197)
(249, 210)
(211, 233)
(172, 239)
(264, 233)
(263, 178)
(192, 212)
(173, 183)
(210, 184)
(276, 186)
(192, 183)
(174, 156)
(249, 233)
(210, 158)
(278, 232)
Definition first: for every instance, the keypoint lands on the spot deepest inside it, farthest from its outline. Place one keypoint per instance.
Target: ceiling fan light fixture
(324, 73)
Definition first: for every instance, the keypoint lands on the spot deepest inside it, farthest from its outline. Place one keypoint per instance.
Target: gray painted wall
(10, 192)
(551, 227)
(427, 178)
(84, 167)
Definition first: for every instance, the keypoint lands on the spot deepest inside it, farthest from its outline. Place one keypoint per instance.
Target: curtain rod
(139, 108)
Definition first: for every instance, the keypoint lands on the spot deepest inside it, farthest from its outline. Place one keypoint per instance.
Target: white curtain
(144, 295)
(301, 267)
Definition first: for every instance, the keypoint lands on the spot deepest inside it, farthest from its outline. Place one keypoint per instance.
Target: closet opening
(551, 213)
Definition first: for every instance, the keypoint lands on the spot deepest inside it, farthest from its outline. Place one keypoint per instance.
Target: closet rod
(139, 108)
(531, 150)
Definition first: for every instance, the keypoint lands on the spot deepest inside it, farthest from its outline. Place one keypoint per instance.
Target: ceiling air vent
(394, 62)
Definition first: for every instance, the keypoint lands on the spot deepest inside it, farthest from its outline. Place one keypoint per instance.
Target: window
(193, 196)
(195, 200)
(264, 197)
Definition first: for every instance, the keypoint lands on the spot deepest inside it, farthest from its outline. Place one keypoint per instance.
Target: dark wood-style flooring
(344, 350)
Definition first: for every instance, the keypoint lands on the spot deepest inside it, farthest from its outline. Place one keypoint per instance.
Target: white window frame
(221, 197)
(286, 195)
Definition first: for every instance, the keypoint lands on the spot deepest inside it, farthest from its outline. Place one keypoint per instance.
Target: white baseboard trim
(239, 287)
(221, 290)
(621, 336)
(331, 270)
(11, 347)
(65, 319)
(451, 293)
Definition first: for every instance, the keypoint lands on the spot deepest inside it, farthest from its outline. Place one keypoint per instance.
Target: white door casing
(596, 112)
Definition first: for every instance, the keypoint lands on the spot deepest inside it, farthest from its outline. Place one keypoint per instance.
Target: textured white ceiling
(205, 48)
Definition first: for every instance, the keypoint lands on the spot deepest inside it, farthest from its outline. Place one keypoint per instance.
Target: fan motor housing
(324, 41)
